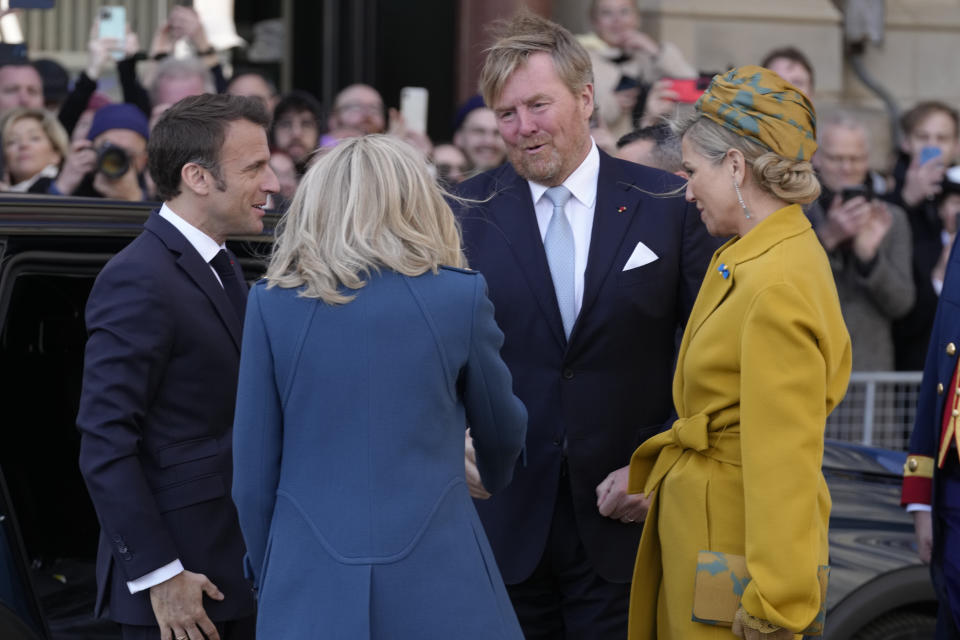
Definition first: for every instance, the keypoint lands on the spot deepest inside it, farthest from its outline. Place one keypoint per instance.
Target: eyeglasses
(840, 159)
(447, 169)
(480, 131)
(356, 107)
(289, 123)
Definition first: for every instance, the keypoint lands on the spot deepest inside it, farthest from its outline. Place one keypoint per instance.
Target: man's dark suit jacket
(609, 388)
(156, 423)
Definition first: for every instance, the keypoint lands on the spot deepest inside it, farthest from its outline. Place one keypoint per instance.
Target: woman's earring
(743, 205)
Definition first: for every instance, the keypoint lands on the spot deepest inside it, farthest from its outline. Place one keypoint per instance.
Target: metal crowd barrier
(878, 409)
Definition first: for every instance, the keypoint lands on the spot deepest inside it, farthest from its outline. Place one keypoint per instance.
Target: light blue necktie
(558, 244)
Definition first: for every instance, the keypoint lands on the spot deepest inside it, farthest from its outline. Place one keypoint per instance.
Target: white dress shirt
(579, 209)
(207, 247)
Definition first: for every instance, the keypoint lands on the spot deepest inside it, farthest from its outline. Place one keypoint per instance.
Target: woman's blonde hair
(54, 131)
(790, 180)
(366, 204)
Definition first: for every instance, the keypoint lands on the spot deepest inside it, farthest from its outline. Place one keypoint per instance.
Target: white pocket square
(641, 255)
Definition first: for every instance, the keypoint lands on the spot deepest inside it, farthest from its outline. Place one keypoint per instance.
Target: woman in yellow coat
(764, 359)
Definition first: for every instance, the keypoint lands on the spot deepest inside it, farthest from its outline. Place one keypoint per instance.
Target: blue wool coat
(348, 454)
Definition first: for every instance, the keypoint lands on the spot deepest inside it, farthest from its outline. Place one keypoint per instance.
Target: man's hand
(844, 221)
(398, 127)
(126, 187)
(922, 180)
(874, 229)
(185, 23)
(178, 606)
(81, 160)
(162, 43)
(639, 41)
(661, 101)
(477, 490)
(923, 526)
(614, 502)
(99, 50)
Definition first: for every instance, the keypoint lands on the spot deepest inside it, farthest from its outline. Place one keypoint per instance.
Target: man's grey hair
(841, 119)
(180, 68)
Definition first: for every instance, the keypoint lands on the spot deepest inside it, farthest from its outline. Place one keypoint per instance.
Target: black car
(878, 589)
(51, 249)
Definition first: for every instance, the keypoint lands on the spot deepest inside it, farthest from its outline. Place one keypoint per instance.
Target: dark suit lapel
(514, 214)
(616, 207)
(199, 272)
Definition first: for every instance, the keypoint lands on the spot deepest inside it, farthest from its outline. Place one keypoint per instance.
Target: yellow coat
(764, 359)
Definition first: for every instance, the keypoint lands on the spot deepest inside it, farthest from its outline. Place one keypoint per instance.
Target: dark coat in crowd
(911, 333)
(872, 296)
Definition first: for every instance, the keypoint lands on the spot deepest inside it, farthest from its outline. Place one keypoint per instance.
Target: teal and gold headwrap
(758, 104)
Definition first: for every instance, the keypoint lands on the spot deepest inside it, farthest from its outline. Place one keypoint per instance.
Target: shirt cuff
(155, 577)
(918, 506)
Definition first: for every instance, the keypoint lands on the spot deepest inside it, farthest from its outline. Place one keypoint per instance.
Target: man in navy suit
(159, 384)
(593, 265)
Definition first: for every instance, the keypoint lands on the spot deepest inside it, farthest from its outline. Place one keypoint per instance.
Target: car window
(42, 337)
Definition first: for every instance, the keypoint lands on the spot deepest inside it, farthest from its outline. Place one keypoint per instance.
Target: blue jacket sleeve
(497, 418)
(257, 438)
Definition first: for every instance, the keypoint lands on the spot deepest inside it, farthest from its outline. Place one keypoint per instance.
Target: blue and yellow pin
(724, 271)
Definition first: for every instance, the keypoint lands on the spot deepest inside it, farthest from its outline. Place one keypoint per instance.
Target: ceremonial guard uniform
(931, 475)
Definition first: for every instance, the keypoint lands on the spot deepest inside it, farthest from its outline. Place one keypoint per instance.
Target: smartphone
(863, 190)
(626, 82)
(413, 108)
(113, 24)
(31, 4)
(687, 89)
(929, 153)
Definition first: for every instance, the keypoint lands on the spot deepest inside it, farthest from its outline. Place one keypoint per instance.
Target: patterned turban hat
(756, 103)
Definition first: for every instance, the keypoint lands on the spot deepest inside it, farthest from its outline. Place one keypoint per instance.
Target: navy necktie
(235, 289)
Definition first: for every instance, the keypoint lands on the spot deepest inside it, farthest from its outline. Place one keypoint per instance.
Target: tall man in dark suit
(592, 273)
(156, 415)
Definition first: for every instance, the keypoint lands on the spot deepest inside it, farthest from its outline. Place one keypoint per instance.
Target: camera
(112, 161)
(851, 192)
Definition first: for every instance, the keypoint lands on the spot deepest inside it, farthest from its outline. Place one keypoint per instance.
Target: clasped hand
(614, 502)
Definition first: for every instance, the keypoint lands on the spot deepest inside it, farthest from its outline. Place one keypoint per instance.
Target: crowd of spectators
(887, 237)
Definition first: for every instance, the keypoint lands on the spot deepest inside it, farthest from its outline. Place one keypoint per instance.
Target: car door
(20, 617)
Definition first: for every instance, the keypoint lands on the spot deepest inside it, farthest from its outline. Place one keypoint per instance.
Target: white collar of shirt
(582, 183)
(206, 246)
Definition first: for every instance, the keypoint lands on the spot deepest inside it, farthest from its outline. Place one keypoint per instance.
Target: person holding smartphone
(929, 146)
(867, 241)
(627, 62)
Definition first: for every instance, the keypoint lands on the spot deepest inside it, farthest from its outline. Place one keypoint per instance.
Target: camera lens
(105, 14)
(112, 161)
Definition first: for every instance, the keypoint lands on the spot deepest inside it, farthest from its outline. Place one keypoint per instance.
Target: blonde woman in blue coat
(367, 351)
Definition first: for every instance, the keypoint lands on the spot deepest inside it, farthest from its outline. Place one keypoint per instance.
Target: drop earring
(743, 205)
